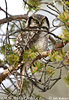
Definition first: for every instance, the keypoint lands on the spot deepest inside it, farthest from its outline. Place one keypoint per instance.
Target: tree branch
(9, 71)
(12, 69)
(11, 18)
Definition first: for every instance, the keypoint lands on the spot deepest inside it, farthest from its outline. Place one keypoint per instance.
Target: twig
(6, 8)
(49, 12)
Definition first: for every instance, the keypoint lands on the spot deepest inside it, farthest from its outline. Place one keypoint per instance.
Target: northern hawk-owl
(37, 36)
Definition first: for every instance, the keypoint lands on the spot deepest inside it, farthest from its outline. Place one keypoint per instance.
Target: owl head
(38, 20)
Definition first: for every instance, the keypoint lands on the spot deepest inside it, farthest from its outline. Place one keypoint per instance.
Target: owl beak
(39, 24)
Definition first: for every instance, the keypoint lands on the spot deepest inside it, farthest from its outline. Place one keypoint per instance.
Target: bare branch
(16, 17)
(9, 71)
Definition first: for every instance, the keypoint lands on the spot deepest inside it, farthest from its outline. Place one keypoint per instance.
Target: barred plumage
(38, 38)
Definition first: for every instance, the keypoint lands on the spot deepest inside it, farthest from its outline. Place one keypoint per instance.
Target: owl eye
(36, 21)
(32, 20)
(45, 22)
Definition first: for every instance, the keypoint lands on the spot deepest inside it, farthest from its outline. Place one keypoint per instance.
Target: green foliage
(33, 4)
(11, 57)
(37, 67)
(67, 3)
(65, 35)
(64, 17)
(50, 70)
(67, 79)
(29, 54)
(6, 49)
(57, 56)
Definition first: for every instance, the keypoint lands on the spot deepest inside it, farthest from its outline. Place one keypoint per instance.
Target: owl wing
(25, 40)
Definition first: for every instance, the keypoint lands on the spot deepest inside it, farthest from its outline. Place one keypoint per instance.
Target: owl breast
(42, 42)
(25, 40)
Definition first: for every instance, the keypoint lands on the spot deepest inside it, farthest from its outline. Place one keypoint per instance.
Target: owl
(37, 36)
